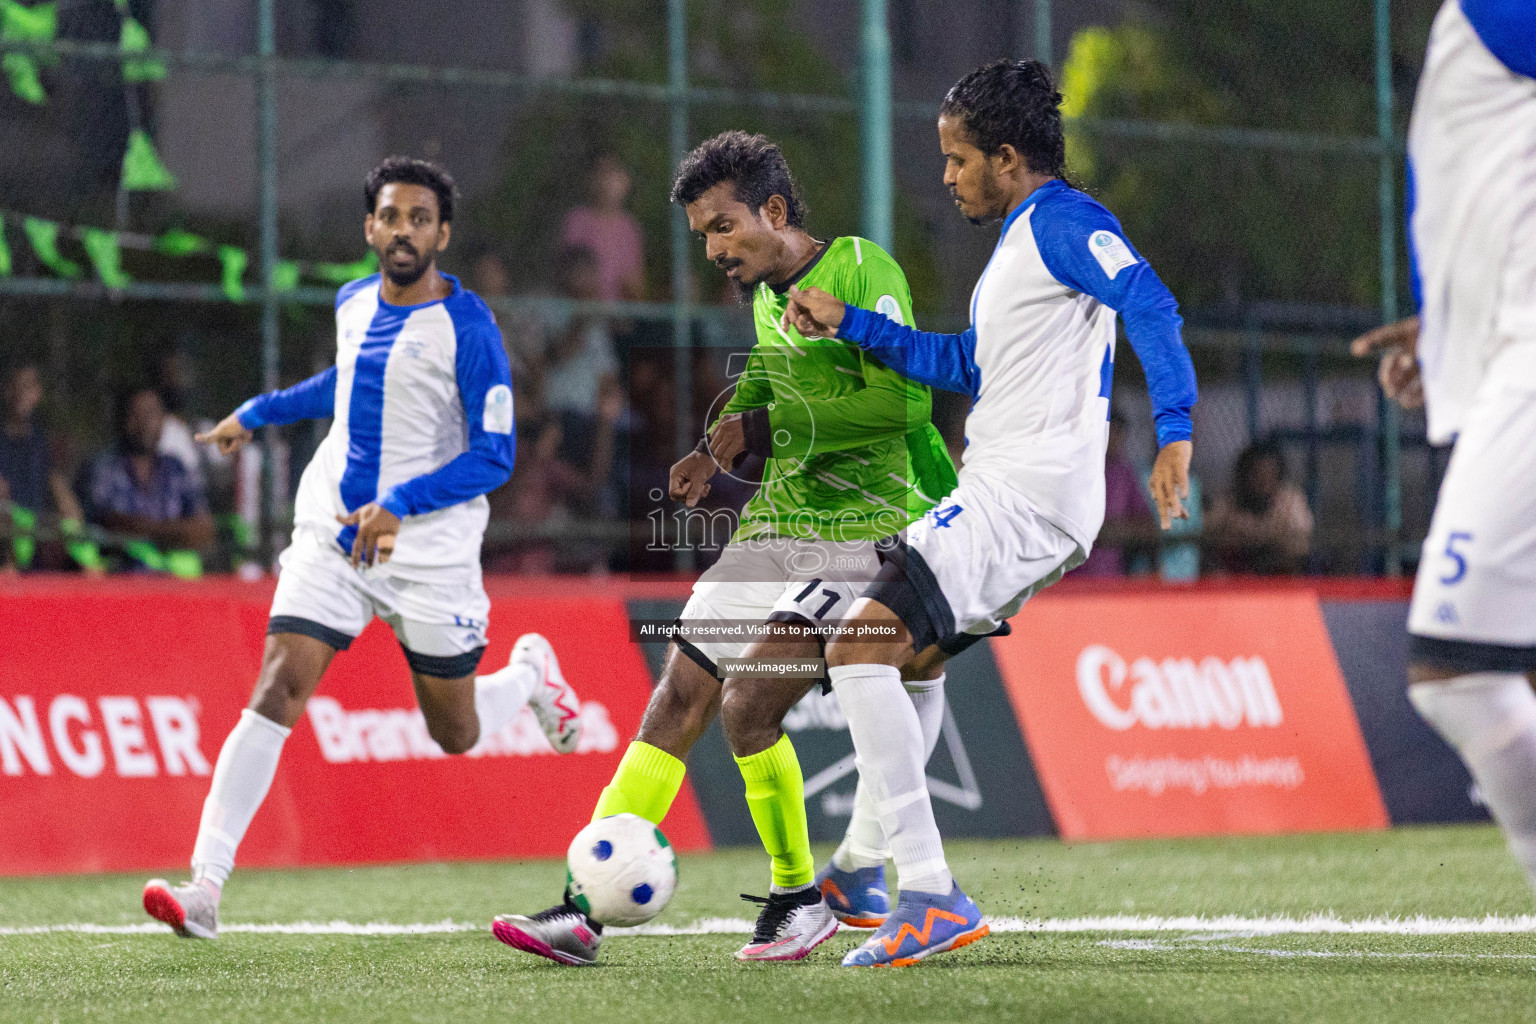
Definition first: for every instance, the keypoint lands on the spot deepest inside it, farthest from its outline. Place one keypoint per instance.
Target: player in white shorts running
(1038, 361)
(1470, 358)
(388, 522)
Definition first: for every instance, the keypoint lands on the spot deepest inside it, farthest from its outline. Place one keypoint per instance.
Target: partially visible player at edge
(1038, 361)
(1469, 357)
(388, 522)
(852, 457)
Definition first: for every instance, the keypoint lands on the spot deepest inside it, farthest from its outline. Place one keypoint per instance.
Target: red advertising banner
(1173, 715)
(115, 698)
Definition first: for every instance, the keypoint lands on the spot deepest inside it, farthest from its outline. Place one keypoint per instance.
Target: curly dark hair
(407, 170)
(754, 165)
(1015, 103)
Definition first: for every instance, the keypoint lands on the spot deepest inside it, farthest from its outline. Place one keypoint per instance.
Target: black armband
(757, 432)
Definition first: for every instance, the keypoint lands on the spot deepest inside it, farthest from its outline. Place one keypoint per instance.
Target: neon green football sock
(776, 796)
(645, 784)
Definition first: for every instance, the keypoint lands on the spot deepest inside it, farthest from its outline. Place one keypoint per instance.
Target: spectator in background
(28, 478)
(138, 491)
(490, 276)
(173, 380)
(1128, 523)
(547, 490)
(580, 368)
(610, 231)
(1264, 525)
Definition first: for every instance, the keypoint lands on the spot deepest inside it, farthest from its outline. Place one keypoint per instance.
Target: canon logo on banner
(71, 724)
(1176, 693)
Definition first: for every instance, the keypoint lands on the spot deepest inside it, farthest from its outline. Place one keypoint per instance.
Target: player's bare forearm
(1170, 481)
(728, 439)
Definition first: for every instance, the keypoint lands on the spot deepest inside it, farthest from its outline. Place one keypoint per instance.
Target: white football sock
(888, 743)
(864, 845)
(1490, 718)
(502, 694)
(247, 762)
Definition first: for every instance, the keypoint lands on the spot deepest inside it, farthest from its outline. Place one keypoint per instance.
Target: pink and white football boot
(553, 701)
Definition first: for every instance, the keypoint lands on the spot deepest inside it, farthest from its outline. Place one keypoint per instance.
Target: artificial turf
(1092, 976)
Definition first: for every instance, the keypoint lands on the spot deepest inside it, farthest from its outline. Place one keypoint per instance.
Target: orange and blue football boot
(857, 898)
(922, 924)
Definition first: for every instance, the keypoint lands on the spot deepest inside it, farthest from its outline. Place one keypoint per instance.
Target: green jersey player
(851, 453)
(851, 457)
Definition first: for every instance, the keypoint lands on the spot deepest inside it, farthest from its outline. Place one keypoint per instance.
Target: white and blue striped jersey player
(422, 423)
(1472, 249)
(1038, 361)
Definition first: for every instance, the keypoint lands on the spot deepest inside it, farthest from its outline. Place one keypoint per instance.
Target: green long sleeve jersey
(855, 452)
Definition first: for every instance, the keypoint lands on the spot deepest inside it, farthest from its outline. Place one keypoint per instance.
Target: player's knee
(281, 694)
(455, 737)
(840, 652)
(743, 721)
(690, 701)
(924, 667)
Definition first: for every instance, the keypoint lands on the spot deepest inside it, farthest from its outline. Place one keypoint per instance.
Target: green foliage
(1229, 224)
(762, 46)
(107, 259)
(135, 39)
(143, 170)
(38, 24)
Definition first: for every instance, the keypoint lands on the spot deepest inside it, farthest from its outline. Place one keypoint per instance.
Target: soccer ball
(620, 870)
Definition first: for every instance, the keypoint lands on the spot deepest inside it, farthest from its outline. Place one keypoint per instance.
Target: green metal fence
(872, 103)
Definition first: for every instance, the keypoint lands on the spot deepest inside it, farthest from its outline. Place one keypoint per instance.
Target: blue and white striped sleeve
(1084, 247)
(310, 399)
(485, 389)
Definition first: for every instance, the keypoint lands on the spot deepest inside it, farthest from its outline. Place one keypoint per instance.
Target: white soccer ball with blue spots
(621, 870)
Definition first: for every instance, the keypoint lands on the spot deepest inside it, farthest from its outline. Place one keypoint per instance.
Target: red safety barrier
(1206, 712)
(115, 697)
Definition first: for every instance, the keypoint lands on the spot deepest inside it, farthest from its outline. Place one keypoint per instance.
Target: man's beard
(408, 276)
(992, 202)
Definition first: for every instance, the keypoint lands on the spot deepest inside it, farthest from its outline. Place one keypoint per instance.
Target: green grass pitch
(1095, 976)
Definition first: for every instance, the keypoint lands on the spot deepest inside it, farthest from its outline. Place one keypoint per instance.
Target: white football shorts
(440, 624)
(970, 564)
(779, 578)
(1474, 601)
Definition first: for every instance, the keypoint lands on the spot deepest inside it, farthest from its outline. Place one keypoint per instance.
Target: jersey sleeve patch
(891, 308)
(498, 410)
(1111, 252)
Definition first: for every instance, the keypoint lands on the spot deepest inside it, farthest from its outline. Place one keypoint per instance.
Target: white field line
(1225, 927)
(1154, 946)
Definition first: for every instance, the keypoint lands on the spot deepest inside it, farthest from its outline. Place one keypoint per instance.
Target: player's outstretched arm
(944, 361)
(309, 399)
